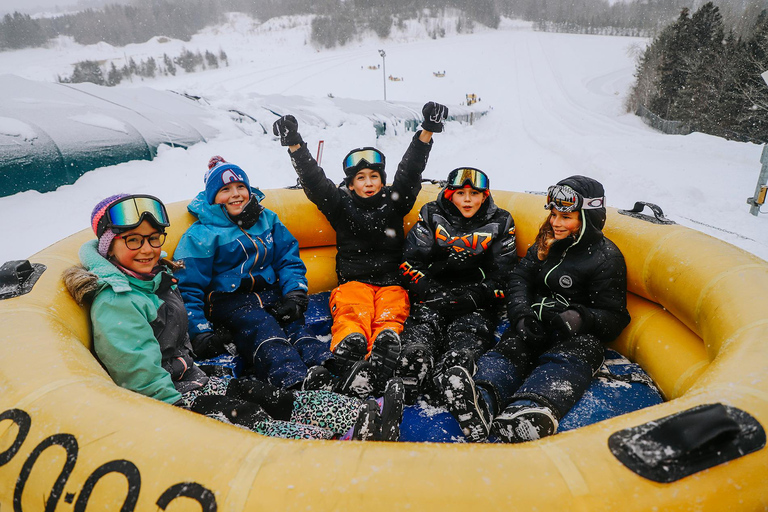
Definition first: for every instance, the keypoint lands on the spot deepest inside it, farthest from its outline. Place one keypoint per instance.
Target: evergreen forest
(702, 73)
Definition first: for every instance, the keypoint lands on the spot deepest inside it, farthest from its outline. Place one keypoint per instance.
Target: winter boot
(359, 381)
(368, 424)
(231, 410)
(392, 409)
(523, 421)
(350, 350)
(318, 377)
(384, 355)
(414, 367)
(453, 358)
(466, 404)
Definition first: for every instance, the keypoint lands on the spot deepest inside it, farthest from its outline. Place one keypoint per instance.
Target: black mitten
(287, 128)
(434, 116)
(530, 329)
(212, 343)
(568, 323)
(291, 306)
(465, 300)
(438, 300)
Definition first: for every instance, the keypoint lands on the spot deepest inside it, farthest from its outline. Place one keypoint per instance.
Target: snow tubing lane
(70, 438)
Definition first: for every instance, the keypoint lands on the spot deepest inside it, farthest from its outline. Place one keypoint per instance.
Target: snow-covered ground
(555, 109)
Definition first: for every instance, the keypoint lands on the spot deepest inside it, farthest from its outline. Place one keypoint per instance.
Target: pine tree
(114, 76)
(701, 64)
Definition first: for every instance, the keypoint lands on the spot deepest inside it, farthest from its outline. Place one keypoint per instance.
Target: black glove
(211, 343)
(287, 128)
(568, 323)
(436, 299)
(457, 301)
(434, 116)
(291, 306)
(530, 329)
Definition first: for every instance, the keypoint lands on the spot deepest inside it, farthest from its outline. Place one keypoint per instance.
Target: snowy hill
(556, 109)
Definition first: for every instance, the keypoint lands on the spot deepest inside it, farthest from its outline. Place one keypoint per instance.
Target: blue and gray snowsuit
(234, 275)
(587, 274)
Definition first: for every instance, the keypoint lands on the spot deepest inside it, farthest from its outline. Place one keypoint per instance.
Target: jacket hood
(588, 187)
(215, 214)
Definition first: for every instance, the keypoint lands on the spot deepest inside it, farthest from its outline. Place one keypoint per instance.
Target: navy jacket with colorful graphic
(447, 250)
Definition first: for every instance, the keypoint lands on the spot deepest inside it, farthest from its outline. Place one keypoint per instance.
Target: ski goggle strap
(368, 155)
(462, 176)
(129, 212)
(564, 199)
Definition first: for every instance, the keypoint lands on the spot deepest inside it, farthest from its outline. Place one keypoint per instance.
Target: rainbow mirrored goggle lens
(127, 213)
(564, 199)
(475, 178)
(369, 156)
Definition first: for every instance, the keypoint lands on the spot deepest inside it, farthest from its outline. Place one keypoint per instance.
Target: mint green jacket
(123, 313)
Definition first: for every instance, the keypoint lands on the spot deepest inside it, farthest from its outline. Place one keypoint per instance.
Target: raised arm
(318, 188)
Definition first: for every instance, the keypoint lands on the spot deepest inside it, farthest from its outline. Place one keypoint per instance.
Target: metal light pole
(756, 201)
(384, 71)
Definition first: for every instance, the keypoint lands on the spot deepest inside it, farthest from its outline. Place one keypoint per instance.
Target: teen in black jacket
(567, 298)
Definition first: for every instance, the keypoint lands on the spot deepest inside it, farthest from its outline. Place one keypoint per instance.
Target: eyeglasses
(564, 199)
(135, 242)
(475, 178)
(369, 156)
(129, 212)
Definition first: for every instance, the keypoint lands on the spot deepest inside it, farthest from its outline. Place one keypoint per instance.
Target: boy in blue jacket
(244, 276)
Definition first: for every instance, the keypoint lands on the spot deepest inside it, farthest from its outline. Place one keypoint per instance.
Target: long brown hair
(546, 237)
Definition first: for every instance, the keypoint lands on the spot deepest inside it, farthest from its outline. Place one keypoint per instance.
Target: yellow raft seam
(738, 332)
(242, 484)
(42, 311)
(569, 472)
(681, 381)
(647, 272)
(637, 331)
(51, 386)
(713, 281)
(730, 388)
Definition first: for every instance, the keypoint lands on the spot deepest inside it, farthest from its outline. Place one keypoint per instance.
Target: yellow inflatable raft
(71, 439)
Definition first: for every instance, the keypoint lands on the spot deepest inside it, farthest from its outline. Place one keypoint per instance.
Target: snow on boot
(414, 366)
(520, 423)
(384, 354)
(466, 405)
(318, 377)
(350, 350)
(392, 409)
(358, 381)
(368, 424)
(454, 358)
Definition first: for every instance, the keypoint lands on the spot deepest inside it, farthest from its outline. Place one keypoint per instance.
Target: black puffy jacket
(445, 249)
(586, 273)
(369, 231)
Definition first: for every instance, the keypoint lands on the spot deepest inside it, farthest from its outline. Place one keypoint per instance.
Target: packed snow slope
(555, 106)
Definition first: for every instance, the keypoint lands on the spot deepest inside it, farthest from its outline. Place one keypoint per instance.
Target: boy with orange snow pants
(369, 306)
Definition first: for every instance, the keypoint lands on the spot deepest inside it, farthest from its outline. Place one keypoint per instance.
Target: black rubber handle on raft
(17, 277)
(658, 214)
(690, 441)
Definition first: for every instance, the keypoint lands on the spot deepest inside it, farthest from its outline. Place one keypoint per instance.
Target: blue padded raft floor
(619, 387)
